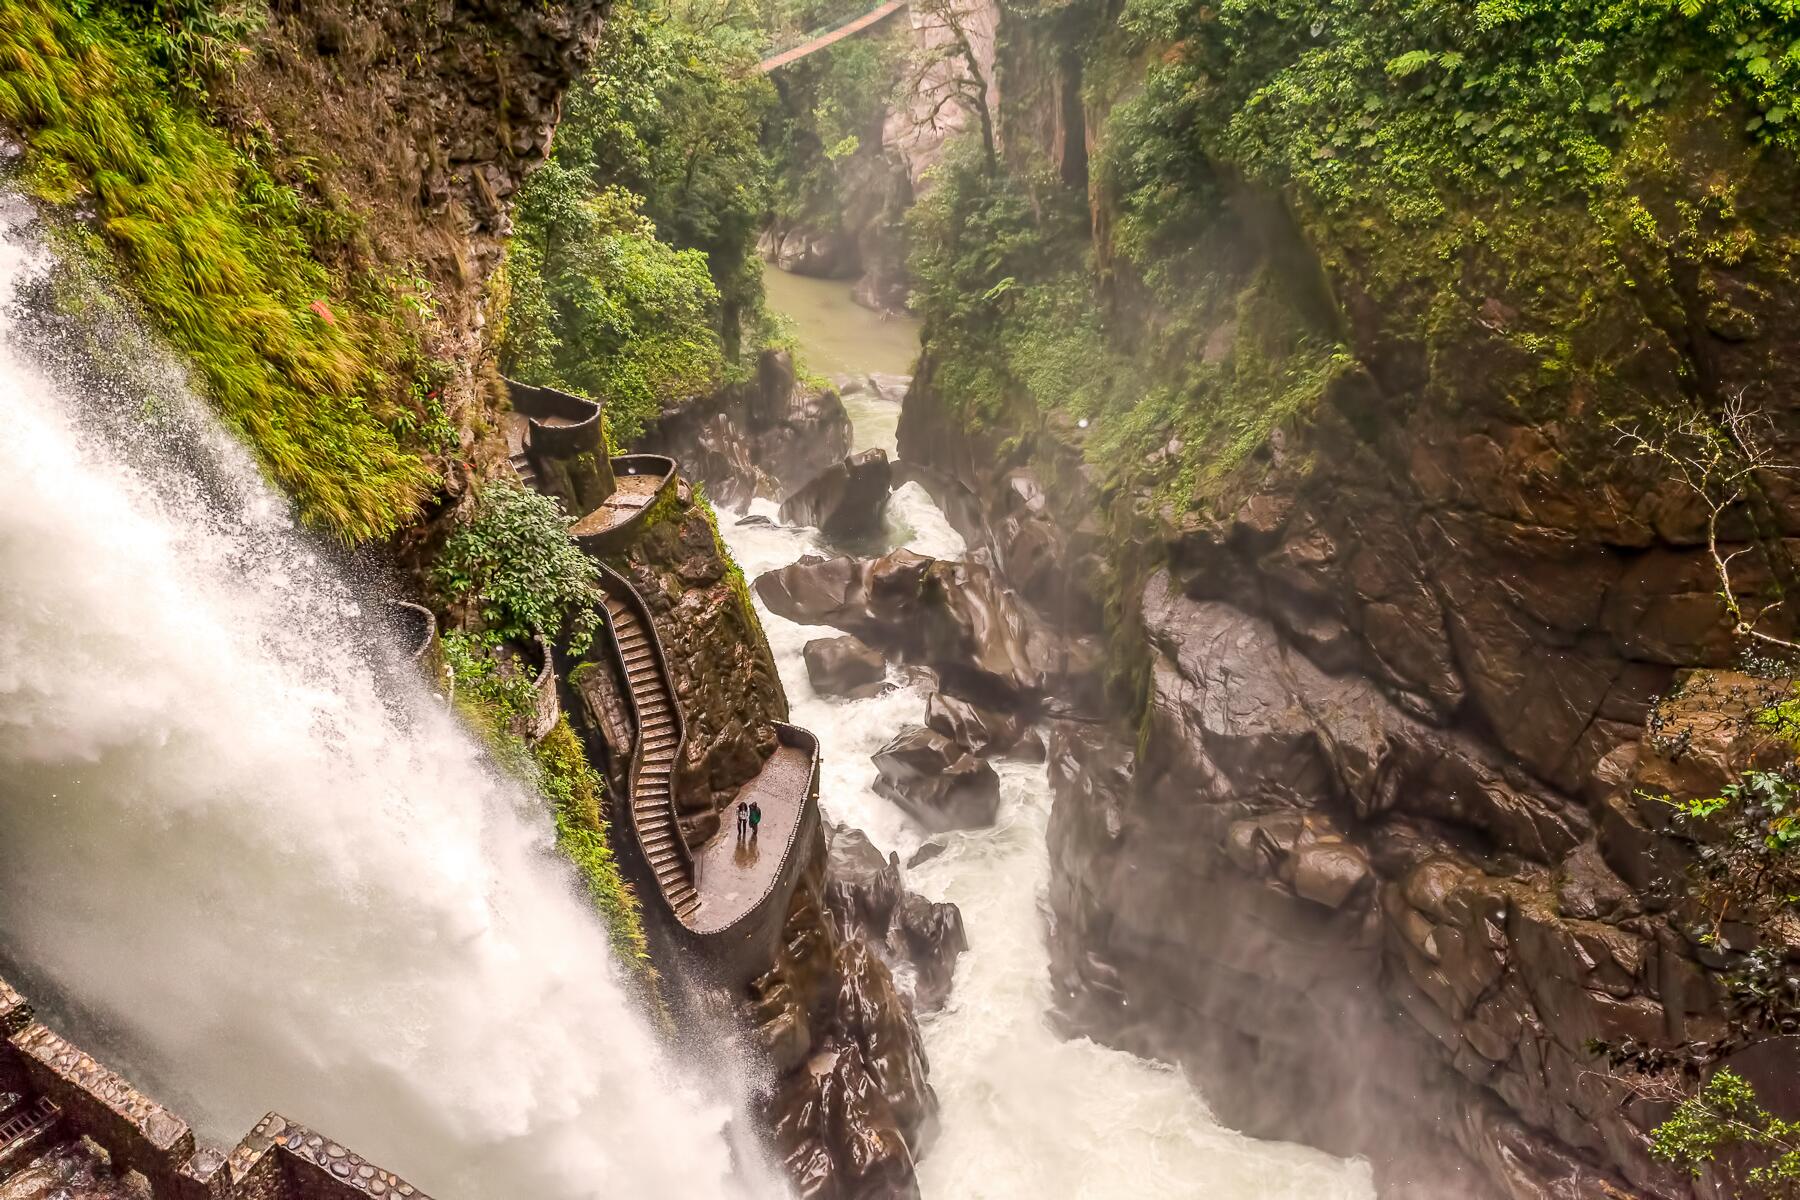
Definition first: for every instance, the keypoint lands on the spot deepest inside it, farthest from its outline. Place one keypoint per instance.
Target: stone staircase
(658, 744)
(27, 1127)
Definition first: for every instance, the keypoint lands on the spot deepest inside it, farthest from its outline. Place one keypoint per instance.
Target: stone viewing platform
(726, 900)
(640, 480)
(71, 1128)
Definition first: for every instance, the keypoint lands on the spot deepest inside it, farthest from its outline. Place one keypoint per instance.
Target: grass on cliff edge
(218, 254)
(495, 704)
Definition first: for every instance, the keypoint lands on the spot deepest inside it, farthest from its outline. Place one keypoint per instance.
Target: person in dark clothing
(755, 818)
(743, 820)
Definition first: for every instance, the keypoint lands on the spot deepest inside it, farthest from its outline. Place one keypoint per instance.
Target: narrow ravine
(1026, 1114)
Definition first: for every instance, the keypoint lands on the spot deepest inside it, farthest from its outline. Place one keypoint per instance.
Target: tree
(946, 77)
(602, 306)
(1726, 462)
(1724, 1117)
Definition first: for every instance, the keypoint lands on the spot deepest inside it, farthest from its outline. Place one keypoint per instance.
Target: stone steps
(658, 744)
(27, 1128)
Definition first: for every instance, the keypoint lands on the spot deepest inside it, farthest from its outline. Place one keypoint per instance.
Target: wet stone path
(734, 875)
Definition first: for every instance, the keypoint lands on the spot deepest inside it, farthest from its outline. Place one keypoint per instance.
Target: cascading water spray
(259, 871)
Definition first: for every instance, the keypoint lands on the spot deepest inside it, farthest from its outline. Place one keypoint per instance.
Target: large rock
(730, 689)
(1296, 877)
(844, 501)
(869, 898)
(760, 438)
(844, 666)
(980, 731)
(954, 617)
(936, 782)
(850, 1105)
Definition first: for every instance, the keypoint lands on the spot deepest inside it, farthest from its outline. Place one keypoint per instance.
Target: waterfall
(249, 860)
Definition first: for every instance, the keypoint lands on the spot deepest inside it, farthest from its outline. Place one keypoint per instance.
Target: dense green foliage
(601, 306)
(1747, 858)
(1410, 106)
(1005, 281)
(316, 369)
(1725, 1116)
(498, 700)
(514, 562)
(633, 277)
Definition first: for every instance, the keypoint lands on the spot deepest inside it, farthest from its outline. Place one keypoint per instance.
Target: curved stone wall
(626, 525)
(562, 425)
(278, 1160)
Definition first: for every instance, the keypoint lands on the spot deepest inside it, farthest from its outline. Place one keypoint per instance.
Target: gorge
(1099, 599)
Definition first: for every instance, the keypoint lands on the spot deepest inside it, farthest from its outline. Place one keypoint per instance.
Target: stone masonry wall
(278, 1160)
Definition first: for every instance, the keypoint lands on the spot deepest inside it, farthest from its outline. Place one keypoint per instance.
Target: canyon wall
(1377, 849)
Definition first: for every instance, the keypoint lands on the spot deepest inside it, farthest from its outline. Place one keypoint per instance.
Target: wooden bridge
(831, 37)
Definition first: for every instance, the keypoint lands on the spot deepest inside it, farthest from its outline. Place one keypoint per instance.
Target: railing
(415, 626)
(547, 707)
(617, 586)
(615, 538)
(562, 425)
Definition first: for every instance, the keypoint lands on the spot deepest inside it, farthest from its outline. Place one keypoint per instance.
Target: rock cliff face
(850, 1102)
(1368, 855)
(422, 120)
(764, 438)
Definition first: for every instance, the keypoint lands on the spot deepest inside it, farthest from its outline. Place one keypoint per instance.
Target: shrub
(514, 560)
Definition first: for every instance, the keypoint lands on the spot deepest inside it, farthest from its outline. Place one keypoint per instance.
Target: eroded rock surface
(756, 439)
(730, 691)
(954, 617)
(938, 783)
(852, 1105)
(845, 500)
(868, 896)
(979, 731)
(1346, 885)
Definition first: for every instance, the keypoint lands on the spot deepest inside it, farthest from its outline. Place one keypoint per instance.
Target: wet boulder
(868, 898)
(938, 784)
(863, 889)
(844, 666)
(846, 499)
(930, 934)
(978, 730)
(955, 617)
(875, 599)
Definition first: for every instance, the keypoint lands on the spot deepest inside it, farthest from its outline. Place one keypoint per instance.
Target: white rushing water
(1026, 1114)
(258, 868)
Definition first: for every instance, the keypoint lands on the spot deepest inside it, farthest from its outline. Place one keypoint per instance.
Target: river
(1026, 1114)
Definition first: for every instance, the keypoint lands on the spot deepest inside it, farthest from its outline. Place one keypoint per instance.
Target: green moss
(496, 703)
(220, 255)
(734, 576)
(576, 793)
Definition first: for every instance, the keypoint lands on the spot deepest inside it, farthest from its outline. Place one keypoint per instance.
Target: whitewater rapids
(1027, 1114)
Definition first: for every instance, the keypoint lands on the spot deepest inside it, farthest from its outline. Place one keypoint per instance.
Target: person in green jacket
(755, 818)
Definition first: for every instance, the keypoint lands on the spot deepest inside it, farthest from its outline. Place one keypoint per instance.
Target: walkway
(832, 37)
(735, 875)
(658, 740)
(734, 900)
